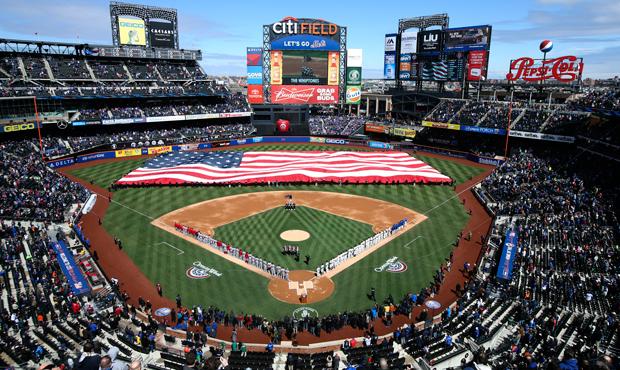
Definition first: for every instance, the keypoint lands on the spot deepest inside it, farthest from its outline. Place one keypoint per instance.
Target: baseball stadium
(300, 217)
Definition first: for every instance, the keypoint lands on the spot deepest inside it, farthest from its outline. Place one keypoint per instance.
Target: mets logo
(397, 267)
(305, 311)
(196, 273)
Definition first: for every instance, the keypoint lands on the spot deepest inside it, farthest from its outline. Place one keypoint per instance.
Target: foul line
(172, 247)
(406, 245)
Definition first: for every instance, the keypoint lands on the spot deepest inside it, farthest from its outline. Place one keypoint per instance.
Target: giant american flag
(232, 166)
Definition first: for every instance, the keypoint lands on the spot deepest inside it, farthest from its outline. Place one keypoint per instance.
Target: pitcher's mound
(301, 282)
(295, 235)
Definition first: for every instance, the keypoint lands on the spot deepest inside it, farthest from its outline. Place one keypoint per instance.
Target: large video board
(468, 38)
(304, 62)
(431, 67)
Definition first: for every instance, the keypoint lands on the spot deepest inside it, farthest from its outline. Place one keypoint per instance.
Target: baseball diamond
(133, 211)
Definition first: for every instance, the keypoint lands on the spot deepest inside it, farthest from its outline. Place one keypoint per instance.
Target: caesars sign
(566, 69)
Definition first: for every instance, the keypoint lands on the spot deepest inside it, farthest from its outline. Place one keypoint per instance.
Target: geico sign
(134, 25)
(255, 75)
(290, 25)
(12, 128)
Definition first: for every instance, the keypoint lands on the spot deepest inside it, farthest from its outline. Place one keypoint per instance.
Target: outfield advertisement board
(18, 127)
(477, 63)
(468, 38)
(131, 31)
(402, 132)
(128, 152)
(96, 156)
(165, 118)
(390, 43)
(484, 130)
(202, 116)
(306, 94)
(162, 34)
(353, 95)
(354, 58)
(485, 160)
(255, 94)
(354, 75)
(122, 121)
(430, 41)
(377, 128)
(539, 136)
(374, 144)
(448, 126)
(255, 56)
(389, 66)
(408, 42)
(255, 75)
(61, 163)
(291, 26)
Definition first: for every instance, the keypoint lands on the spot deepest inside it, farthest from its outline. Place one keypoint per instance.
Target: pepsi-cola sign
(566, 69)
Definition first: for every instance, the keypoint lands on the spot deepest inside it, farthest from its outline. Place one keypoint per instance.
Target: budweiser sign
(304, 94)
(567, 68)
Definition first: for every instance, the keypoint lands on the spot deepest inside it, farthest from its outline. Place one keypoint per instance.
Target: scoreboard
(432, 67)
(147, 53)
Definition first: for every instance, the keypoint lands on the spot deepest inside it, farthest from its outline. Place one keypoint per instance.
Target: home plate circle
(295, 235)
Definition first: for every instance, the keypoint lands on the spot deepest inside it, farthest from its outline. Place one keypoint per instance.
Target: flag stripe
(253, 167)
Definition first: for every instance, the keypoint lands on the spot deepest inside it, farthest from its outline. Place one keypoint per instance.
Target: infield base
(317, 288)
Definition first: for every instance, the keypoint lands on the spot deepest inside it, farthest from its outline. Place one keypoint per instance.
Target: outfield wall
(132, 151)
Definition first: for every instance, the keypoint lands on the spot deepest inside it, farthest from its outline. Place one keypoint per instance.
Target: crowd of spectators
(68, 68)
(10, 66)
(604, 99)
(335, 125)
(446, 110)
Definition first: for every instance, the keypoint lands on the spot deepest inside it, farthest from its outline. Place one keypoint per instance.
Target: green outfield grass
(422, 248)
(330, 235)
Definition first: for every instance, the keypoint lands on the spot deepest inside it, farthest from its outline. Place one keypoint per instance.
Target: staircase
(5, 73)
(90, 71)
(512, 125)
(49, 70)
(483, 118)
(129, 76)
(22, 68)
(457, 113)
(159, 74)
(542, 127)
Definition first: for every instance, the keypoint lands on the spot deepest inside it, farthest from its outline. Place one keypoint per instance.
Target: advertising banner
(78, 123)
(390, 42)
(509, 251)
(477, 62)
(374, 144)
(162, 34)
(334, 69)
(448, 126)
(255, 75)
(354, 95)
(255, 56)
(354, 75)
(408, 42)
(484, 160)
(320, 140)
(430, 41)
(305, 42)
(484, 130)
(565, 69)
(257, 140)
(389, 66)
(354, 58)
(204, 146)
(287, 139)
(165, 118)
(403, 132)
(160, 149)
(95, 156)
(468, 38)
(377, 128)
(70, 269)
(203, 116)
(131, 31)
(337, 141)
(18, 127)
(60, 163)
(539, 136)
(307, 94)
(128, 152)
(276, 67)
(255, 94)
(235, 114)
(122, 121)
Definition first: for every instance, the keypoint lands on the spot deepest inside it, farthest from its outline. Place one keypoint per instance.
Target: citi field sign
(291, 26)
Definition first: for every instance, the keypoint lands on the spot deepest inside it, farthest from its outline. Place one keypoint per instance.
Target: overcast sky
(223, 29)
